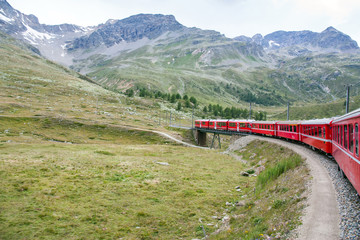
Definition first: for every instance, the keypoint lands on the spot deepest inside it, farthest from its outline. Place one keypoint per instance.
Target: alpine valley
(158, 53)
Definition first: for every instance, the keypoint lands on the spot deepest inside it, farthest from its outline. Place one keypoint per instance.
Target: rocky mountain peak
(330, 29)
(129, 29)
(330, 39)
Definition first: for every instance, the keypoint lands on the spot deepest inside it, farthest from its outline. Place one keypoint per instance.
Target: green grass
(272, 173)
(318, 111)
(57, 191)
(39, 129)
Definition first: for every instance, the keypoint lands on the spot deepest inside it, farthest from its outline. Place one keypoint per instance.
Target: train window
(203, 123)
(324, 132)
(294, 128)
(232, 124)
(320, 132)
(345, 136)
(197, 123)
(338, 128)
(356, 139)
(211, 123)
(351, 138)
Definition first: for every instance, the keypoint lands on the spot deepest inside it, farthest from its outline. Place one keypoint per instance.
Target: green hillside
(219, 70)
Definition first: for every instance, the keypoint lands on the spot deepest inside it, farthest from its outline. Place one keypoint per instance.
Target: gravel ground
(349, 202)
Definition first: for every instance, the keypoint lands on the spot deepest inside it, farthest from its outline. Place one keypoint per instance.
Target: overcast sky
(230, 17)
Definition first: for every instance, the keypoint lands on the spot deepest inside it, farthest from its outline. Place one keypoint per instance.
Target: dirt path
(321, 218)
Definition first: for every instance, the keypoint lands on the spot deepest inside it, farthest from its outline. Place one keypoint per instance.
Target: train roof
(318, 121)
(289, 122)
(352, 114)
(264, 122)
(241, 120)
(218, 120)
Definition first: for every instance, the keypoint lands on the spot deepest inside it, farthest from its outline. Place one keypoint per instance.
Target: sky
(229, 17)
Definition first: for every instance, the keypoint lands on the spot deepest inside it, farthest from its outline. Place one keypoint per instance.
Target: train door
(237, 124)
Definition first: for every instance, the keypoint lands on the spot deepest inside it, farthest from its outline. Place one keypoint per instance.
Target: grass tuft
(281, 167)
(106, 153)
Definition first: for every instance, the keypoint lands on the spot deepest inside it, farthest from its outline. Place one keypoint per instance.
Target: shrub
(281, 167)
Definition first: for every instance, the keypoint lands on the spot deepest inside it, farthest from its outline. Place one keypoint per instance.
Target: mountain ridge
(330, 38)
(158, 53)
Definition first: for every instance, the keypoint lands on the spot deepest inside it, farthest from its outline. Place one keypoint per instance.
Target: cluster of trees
(232, 113)
(266, 97)
(213, 111)
(185, 101)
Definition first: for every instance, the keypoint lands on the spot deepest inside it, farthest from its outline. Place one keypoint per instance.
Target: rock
(225, 219)
(240, 203)
(245, 174)
(163, 163)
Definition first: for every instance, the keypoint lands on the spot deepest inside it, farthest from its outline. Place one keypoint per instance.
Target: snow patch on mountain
(2, 12)
(273, 43)
(33, 36)
(2, 17)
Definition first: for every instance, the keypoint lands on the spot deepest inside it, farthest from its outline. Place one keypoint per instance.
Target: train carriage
(317, 133)
(240, 125)
(288, 130)
(345, 146)
(220, 124)
(263, 127)
(202, 123)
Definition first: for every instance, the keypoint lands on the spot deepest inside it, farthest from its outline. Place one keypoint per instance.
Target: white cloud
(336, 10)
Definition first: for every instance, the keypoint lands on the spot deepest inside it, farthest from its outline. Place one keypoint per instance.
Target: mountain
(328, 40)
(129, 30)
(49, 39)
(158, 53)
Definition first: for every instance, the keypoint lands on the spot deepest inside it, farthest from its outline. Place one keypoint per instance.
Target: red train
(336, 136)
